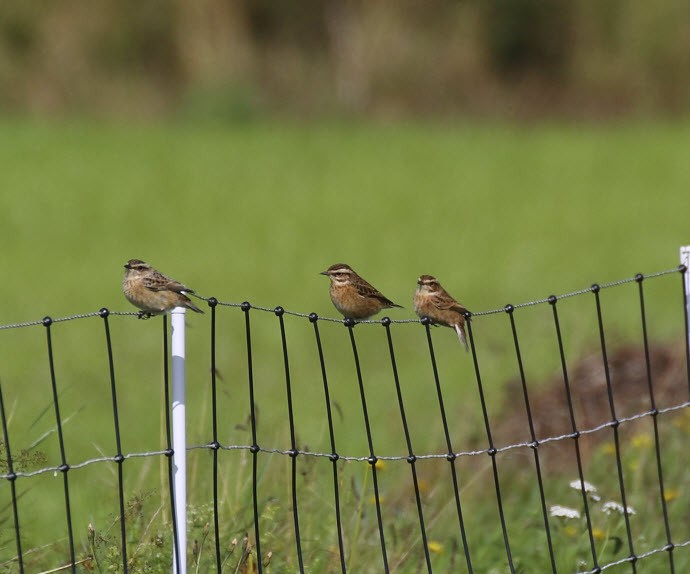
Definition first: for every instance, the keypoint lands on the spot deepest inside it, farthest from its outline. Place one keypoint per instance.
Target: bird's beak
(323, 273)
(127, 266)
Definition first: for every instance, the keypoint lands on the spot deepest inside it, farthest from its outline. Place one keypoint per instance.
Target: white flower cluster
(564, 511)
(608, 507)
(587, 487)
(611, 506)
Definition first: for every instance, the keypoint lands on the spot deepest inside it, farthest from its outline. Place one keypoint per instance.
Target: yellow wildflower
(641, 440)
(670, 494)
(570, 531)
(423, 486)
(598, 534)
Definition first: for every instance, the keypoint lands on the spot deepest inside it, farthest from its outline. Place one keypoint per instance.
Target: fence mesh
(293, 517)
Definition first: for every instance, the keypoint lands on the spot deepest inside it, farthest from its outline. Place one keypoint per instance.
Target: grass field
(500, 214)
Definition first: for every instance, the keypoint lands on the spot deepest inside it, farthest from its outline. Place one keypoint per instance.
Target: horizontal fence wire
(451, 455)
(351, 458)
(636, 558)
(214, 301)
(444, 455)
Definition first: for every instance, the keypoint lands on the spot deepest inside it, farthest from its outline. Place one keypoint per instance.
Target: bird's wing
(178, 287)
(364, 289)
(447, 303)
(159, 282)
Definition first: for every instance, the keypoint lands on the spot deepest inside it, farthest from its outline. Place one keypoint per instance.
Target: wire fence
(549, 531)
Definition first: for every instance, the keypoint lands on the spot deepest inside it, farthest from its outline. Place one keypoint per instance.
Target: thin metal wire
(535, 450)
(473, 314)
(371, 321)
(411, 457)
(279, 311)
(576, 434)
(527, 445)
(491, 451)
(635, 558)
(89, 462)
(372, 457)
(684, 272)
(68, 318)
(212, 303)
(334, 453)
(169, 451)
(450, 456)
(579, 292)
(655, 422)
(254, 449)
(392, 458)
(119, 458)
(11, 477)
(616, 437)
(64, 467)
(21, 325)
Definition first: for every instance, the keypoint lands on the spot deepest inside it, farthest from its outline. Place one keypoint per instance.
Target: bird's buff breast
(351, 304)
(147, 300)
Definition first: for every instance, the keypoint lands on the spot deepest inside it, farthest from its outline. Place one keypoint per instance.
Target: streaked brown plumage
(352, 295)
(433, 301)
(153, 292)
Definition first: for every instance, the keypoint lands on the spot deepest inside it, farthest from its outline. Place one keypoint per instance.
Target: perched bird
(352, 295)
(433, 301)
(153, 292)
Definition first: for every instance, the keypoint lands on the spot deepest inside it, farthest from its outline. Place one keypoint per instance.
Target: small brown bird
(433, 301)
(352, 295)
(153, 292)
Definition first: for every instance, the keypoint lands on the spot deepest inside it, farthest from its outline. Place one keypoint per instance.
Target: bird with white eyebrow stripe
(152, 292)
(352, 295)
(433, 301)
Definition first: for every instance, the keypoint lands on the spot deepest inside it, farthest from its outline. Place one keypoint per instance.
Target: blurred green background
(512, 149)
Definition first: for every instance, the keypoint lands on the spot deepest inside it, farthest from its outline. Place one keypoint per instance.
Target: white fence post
(685, 260)
(179, 439)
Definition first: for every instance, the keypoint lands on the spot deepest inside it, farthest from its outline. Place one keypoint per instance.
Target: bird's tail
(192, 306)
(461, 335)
